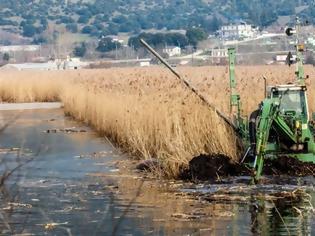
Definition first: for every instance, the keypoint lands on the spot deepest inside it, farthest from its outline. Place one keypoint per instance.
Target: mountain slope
(41, 20)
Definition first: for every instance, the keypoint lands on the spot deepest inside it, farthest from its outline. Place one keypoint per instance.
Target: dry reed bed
(146, 111)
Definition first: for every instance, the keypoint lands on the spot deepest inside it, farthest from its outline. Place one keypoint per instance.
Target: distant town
(253, 47)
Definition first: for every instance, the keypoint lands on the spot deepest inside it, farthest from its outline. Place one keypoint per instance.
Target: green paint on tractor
(282, 125)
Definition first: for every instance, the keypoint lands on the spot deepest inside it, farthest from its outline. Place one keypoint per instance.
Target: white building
(282, 58)
(19, 48)
(71, 63)
(219, 52)
(31, 66)
(219, 56)
(68, 64)
(172, 51)
(144, 63)
(237, 31)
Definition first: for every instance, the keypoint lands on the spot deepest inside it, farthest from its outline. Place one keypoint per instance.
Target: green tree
(120, 19)
(39, 40)
(87, 29)
(108, 44)
(113, 29)
(72, 27)
(83, 19)
(195, 35)
(29, 30)
(6, 57)
(213, 25)
(44, 23)
(159, 39)
(80, 50)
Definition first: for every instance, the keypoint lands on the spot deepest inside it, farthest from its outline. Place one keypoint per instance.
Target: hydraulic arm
(270, 120)
(268, 115)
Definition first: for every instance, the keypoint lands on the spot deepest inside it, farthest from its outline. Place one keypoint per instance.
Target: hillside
(43, 20)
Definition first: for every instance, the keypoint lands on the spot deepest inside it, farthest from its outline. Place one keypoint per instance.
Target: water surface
(62, 179)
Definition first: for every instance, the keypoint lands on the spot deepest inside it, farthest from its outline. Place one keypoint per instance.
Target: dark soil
(288, 166)
(205, 167)
(216, 167)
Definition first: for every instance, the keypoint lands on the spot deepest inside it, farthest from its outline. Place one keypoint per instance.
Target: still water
(60, 178)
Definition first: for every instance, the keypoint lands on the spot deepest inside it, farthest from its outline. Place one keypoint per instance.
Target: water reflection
(291, 215)
(87, 195)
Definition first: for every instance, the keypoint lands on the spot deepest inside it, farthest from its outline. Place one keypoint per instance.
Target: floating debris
(95, 154)
(159, 220)
(245, 194)
(224, 214)
(226, 197)
(51, 226)
(17, 205)
(8, 150)
(66, 130)
(192, 216)
(23, 234)
(50, 120)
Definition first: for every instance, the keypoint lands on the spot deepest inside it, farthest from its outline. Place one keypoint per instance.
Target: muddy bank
(216, 167)
(289, 166)
(212, 167)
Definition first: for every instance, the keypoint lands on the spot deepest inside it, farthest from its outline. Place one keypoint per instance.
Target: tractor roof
(287, 87)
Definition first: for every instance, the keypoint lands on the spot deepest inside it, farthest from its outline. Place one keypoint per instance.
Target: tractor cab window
(293, 101)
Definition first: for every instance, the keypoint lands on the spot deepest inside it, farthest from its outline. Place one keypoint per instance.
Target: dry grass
(28, 89)
(146, 111)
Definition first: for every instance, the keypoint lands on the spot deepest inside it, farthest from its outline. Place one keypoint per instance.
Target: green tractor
(281, 126)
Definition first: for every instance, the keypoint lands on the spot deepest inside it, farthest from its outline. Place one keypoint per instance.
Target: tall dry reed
(146, 111)
(148, 127)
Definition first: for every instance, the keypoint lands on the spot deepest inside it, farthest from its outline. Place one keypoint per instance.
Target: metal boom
(188, 85)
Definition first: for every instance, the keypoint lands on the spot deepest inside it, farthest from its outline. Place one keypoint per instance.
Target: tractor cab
(292, 101)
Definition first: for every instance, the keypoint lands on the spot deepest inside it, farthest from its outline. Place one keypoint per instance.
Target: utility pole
(116, 50)
(192, 53)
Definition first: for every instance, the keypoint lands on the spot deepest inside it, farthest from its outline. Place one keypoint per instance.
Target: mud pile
(216, 167)
(205, 167)
(288, 166)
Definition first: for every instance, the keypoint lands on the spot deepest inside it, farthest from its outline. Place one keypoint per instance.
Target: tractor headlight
(297, 124)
